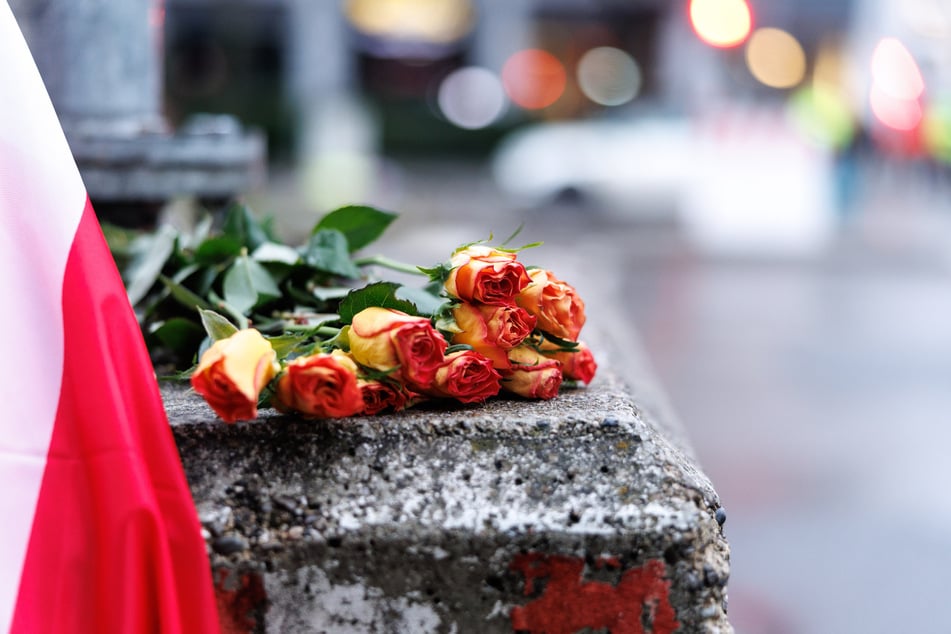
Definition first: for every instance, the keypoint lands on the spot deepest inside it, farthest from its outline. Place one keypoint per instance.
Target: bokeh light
(609, 76)
(898, 114)
(775, 58)
(936, 130)
(822, 115)
(534, 78)
(438, 21)
(895, 72)
(471, 97)
(721, 23)
(897, 86)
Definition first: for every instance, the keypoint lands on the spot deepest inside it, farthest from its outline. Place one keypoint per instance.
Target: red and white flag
(98, 532)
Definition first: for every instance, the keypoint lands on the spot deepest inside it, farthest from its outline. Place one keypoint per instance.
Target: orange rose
(486, 275)
(577, 366)
(466, 376)
(381, 395)
(321, 385)
(492, 330)
(532, 375)
(232, 373)
(556, 305)
(386, 339)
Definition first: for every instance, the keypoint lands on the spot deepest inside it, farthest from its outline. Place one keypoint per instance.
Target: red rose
(578, 365)
(386, 339)
(321, 386)
(487, 276)
(466, 376)
(532, 375)
(382, 395)
(555, 303)
(492, 330)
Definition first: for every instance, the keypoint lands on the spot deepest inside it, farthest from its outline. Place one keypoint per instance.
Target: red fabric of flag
(116, 544)
(97, 524)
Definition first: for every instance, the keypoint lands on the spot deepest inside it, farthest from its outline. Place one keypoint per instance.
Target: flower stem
(385, 262)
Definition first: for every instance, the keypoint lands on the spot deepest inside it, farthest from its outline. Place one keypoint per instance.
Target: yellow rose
(578, 365)
(232, 373)
(385, 339)
(554, 303)
(320, 385)
(486, 275)
(492, 330)
(532, 375)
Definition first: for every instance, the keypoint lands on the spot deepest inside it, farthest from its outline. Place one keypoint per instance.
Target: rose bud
(577, 365)
(533, 375)
(485, 275)
(232, 373)
(466, 376)
(385, 339)
(555, 303)
(381, 395)
(321, 386)
(492, 330)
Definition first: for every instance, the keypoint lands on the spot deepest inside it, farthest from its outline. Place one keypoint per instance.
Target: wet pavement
(815, 390)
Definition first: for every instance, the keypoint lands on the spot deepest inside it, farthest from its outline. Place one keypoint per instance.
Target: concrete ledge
(514, 516)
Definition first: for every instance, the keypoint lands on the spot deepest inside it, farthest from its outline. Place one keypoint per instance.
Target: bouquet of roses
(483, 324)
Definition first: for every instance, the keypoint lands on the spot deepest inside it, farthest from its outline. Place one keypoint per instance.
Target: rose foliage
(313, 330)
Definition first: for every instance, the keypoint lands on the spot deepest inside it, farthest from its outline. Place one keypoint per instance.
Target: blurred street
(814, 389)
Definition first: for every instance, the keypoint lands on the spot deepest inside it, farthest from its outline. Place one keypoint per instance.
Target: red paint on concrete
(241, 600)
(569, 603)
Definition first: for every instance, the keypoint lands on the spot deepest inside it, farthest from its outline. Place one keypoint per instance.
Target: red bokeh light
(534, 78)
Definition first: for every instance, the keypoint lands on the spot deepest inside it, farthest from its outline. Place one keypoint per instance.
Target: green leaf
(327, 251)
(248, 284)
(119, 239)
(530, 245)
(382, 294)
(563, 344)
(217, 250)
(458, 347)
(463, 247)
(426, 303)
(241, 225)
(360, 224)
(198, 235)
(286, 344)
(447, 325)
(217, 326)
(267, 226)
(437, 274)
(326, 293)
(232, 312)
(184, 296)
(182, 336)
(301, 296)
(274, 252)
(514, 235)
(183, 273)
(147, 264)
(203, 347)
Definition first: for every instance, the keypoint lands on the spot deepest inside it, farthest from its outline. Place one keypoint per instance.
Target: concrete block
(577, 514)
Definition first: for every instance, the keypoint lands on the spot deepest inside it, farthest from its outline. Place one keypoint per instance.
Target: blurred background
(758, 188)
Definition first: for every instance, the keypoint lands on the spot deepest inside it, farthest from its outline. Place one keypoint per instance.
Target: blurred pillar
(101, 61)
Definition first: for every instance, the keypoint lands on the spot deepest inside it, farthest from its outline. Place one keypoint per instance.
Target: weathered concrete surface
(577, 514)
